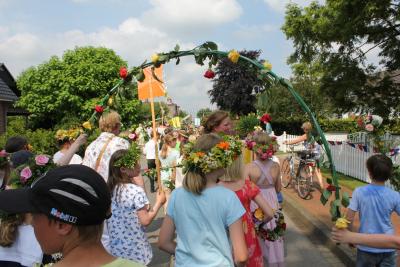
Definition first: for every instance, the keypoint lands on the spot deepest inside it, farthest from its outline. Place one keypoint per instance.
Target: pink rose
(264, 156)
(270, 153)
(3, 154)
(369, 127)
(132, 136)
(41, 160)
(25, 174)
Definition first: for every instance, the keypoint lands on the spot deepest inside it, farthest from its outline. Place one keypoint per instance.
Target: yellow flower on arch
(233, 56)
(267, 65)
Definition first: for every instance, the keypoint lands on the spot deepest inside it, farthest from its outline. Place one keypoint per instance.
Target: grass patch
(344, 180)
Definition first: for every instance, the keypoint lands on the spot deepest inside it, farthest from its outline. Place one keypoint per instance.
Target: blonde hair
(168, 139)
(9, 229)
(195, 182)
(109, 121)
(235, 171)
(307, 126)
(214, 119)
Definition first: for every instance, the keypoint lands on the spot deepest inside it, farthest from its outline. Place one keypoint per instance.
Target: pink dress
(273, 251)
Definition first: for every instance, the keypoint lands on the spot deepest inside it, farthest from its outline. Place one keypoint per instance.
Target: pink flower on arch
(369, 127)
(41, 160)
(25, 174)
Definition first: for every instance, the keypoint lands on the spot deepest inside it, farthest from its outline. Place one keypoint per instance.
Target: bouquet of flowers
(269, 234)
(369, 122)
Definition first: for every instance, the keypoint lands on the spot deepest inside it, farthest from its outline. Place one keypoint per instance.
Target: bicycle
(302, 177)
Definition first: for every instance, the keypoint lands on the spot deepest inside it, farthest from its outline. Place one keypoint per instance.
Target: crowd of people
(219, 210)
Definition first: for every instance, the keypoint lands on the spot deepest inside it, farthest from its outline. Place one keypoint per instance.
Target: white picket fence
(347, 159)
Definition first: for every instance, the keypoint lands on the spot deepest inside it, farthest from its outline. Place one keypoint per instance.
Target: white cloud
(280, 5)
(182, 16)
(132, 40)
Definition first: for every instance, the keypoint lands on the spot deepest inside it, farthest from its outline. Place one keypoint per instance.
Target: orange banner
(151, 83)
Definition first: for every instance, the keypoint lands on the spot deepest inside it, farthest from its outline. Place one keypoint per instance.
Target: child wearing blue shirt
(375, 204)
(205, 216)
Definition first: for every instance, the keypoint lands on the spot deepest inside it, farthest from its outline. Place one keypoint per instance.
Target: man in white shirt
(150, 151)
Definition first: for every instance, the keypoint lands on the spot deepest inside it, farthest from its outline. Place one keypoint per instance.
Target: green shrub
(246, 124)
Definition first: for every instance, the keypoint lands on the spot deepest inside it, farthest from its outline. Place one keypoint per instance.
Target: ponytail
(9, 229)
(194, 182)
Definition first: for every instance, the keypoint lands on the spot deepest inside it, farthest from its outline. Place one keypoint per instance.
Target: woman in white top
(168, 159)
(65, 140)
(99, 152)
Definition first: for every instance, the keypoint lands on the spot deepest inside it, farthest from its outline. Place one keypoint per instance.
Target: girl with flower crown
(130, 208)
(247, 191)
(266, 174)
(205, 215)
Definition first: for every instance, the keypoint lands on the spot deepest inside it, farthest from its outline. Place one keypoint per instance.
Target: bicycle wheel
(304, 181)
(286, 174)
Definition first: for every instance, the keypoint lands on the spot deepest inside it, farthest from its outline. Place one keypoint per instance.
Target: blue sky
(33, 30)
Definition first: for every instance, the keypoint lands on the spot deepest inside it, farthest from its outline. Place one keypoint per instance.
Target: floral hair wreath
(265, 151)
(221, 155)
(25, 174)
(131, 158)
(67, 135)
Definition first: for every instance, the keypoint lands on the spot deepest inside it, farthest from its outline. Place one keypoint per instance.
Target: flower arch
(208, 51)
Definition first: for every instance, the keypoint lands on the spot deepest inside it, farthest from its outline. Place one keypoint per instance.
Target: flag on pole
(151, 82)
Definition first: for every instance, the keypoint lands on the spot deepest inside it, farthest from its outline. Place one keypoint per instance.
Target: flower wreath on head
(26, 174)
(269, 234)
(131, 158)
(221, 155)
(265, 151)
(67, 135)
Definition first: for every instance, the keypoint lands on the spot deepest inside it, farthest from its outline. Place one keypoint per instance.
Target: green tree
(204, 112)
(338, 36)
(67, 88)
(234, 84)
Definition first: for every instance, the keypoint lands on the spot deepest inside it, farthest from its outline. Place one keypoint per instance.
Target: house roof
(7, 78)
(6, 94)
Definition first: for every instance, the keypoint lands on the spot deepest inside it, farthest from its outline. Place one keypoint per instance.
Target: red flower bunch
(123, 72)
(266, 118)
(209, 74)
(99, 109)
(331, 188)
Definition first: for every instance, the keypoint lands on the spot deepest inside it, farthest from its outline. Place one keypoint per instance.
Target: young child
(129, 208)
(168, 159)
(247, 191)
(203, 213)
(265, 173)
(69, 205)
(375, 204)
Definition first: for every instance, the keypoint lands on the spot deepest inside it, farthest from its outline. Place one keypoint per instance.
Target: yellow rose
(233, 56)
(342, 223)
(155, 58)
(259, 214)
(110, 101)
(267, 65)
(87, 125)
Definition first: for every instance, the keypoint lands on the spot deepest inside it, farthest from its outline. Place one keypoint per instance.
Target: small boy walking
(375, 203)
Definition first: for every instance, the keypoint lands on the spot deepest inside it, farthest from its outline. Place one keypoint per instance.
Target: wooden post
(153, 119)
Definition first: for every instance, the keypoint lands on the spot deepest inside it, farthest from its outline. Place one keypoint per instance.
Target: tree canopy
(338, 37)
(69, 87)
(234, 84)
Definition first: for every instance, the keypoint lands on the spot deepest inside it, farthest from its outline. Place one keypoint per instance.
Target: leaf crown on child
(221, 155)
(263, 145)
(67, 135)
(131, 158)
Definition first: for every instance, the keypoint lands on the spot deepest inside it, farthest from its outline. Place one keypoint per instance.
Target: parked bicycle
(302, 176)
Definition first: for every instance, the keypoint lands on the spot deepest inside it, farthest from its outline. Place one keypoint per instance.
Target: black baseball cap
(74, 194)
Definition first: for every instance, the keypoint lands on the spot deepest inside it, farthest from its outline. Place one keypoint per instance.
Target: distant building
(9, 93)
(173, 109)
